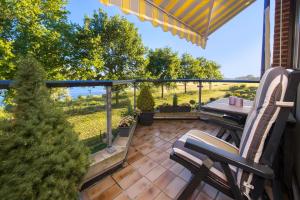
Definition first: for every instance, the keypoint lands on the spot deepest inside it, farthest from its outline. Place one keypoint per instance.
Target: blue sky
(236, 46)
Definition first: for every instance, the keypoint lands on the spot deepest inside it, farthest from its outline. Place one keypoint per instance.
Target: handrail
(197, 80)
(6, 84)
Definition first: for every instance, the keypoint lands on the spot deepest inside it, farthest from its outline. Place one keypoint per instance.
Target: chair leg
(221, 132)
(194, 182)
(235, 189)
(235, 137)
(276, 188)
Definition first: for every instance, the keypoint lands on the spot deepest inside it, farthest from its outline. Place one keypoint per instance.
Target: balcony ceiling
(193, 20)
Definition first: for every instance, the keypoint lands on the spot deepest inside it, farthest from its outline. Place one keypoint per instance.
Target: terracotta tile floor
(149, 172)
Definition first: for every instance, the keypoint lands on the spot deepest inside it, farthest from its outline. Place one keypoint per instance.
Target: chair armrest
(223, 156)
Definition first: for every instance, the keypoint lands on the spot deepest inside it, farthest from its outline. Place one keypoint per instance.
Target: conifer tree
(41, 156)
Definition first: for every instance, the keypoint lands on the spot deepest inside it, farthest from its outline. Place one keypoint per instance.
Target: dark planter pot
(175, 109)
(124, 131)
(146, 118)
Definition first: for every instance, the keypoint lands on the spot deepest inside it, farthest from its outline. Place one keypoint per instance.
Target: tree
(163, 64)
(37, 27)
(86, 58)
(211, 70)
(123, 55)
(190, 68)
(41, 157)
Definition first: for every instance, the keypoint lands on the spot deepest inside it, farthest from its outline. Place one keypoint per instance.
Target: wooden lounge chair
(241, 172)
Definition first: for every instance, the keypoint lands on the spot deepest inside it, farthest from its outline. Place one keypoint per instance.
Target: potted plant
(125, 125)
(193, 104)
(145, 103)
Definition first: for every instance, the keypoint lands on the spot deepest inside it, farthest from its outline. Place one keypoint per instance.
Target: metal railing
(108, 84)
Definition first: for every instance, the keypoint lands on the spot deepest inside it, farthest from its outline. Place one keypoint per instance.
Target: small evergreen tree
(175, 100)
(41, 156)
(145, 100)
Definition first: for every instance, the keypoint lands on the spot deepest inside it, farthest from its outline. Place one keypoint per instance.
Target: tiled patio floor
(149, 173)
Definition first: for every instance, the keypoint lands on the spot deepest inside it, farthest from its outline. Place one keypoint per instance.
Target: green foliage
(103, 48)
(242, 91)
(129, 111)
(41, 157)
(199, 68)
(145, 101)
(36, 27)
(163, 64)
(123, 55)
(192, 102)
(190, 67)
(175, 100)
(211, 70)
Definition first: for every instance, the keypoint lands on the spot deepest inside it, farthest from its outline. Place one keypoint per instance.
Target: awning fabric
(193, 20)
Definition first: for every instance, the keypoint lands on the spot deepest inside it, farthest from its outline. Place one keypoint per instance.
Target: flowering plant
(126, 121)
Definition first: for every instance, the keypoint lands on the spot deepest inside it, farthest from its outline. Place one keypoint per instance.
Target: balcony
(138, 166)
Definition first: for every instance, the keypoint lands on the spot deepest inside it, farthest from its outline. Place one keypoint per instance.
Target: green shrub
(41, 156)
(145, 101)
(175, 100)
(242, 91)
(129, 111)
(192, 102)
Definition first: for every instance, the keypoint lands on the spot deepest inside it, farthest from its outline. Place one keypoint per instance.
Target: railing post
(110, 149)
(134, 96)
(199, 93)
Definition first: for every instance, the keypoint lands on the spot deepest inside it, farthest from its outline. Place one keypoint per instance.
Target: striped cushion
(272, 88)
(216, 173)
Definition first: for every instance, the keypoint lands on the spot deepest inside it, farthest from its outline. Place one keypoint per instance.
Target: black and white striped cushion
(272, 88)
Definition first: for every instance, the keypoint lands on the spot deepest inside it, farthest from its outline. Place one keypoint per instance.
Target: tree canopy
(211, 70)
(36, 27)
(190, 67)
(102, 48)
(123, 52)
(163, 63)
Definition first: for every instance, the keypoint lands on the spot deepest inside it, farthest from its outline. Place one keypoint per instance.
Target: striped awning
(193, 20)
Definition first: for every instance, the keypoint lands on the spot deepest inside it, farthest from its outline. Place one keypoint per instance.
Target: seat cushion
(265, 111)
(216, 172)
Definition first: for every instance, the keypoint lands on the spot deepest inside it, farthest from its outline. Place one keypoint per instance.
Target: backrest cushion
(264, 113)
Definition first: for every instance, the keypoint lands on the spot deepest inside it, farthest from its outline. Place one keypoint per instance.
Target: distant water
(1, 98)
(1, 101)
(75, 92)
